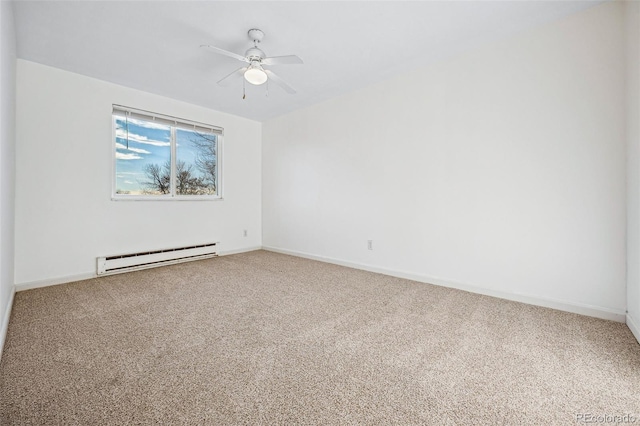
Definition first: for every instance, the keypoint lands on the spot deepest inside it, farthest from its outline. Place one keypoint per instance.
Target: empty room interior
(310, 212)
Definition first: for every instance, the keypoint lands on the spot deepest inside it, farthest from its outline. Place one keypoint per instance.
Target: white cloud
(121, 156)
(123, 134)
(129, 182)
(137, 150)
(149, 124)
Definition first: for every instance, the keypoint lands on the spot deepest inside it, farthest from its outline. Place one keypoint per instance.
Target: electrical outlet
(245, 233)
(370, 244)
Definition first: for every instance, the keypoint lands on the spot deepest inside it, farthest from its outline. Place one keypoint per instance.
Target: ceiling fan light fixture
(255, 75)
(254, 59)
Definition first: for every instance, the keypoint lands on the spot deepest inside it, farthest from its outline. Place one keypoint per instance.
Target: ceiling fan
(254, 72)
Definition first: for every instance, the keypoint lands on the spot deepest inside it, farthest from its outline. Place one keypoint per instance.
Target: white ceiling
(154, 45)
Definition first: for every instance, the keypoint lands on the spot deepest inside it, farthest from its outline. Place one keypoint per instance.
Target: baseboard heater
(149, 259)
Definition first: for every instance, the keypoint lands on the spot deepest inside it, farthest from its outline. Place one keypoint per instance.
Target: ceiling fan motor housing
(255, 54)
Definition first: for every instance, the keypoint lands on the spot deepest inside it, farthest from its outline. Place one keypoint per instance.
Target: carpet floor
(264, 338)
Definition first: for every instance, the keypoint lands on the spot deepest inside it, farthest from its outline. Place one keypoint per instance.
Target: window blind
(167, 120)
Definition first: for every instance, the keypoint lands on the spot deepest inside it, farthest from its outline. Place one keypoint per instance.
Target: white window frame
(178, 122)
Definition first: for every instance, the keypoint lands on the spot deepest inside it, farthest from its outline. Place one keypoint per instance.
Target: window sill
(178, 198)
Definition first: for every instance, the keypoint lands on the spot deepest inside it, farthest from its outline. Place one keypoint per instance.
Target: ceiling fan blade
(282, 60)
(231, 77)
(225, 52)
(277, 80)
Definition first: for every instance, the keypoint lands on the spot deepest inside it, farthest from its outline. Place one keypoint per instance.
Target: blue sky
(148, 143)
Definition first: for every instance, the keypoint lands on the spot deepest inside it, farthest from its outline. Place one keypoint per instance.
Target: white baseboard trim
(634, 326)
(89, 275)
(237, 251)
(54, 281)
(5, 320)
(576, 308)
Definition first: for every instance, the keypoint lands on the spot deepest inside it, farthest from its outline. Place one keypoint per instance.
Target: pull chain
(244, 94)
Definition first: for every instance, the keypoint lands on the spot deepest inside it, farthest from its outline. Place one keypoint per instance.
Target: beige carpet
(264, 338)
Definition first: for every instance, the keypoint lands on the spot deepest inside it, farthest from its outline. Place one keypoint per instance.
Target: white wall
(7, 162)
(501, 170)
(64, 214)
(632, 14)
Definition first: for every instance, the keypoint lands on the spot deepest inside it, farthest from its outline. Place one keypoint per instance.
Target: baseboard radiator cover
(116, 264)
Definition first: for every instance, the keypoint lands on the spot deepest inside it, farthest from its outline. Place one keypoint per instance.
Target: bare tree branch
(159, 178)
(187, 180)
(207, 158)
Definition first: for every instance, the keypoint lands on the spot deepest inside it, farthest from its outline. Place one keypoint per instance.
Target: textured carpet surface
(264, 338)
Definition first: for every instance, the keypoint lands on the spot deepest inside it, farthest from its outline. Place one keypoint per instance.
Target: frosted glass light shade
(255, 75)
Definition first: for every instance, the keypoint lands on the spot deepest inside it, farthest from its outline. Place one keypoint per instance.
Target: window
(158, 157)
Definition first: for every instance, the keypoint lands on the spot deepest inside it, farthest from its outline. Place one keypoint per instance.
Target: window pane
(143, 157)
(196, 163)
